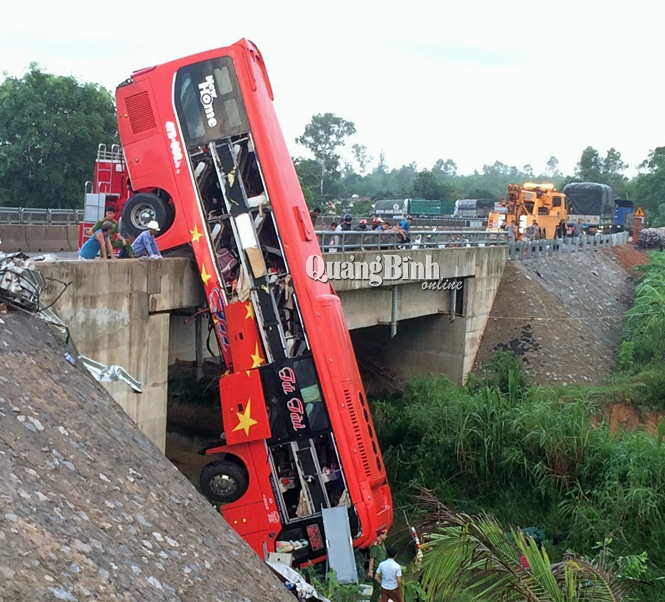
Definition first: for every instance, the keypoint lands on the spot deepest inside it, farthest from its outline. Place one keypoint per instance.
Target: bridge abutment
(118, 312)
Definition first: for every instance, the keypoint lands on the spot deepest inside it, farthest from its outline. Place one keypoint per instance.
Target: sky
(474, 81)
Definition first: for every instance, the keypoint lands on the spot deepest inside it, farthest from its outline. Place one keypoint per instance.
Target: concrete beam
(428, 341)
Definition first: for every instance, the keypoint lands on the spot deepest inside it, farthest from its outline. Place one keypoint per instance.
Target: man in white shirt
(389, 575)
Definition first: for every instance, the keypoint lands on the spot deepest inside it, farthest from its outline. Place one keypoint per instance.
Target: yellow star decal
(204, 274)
(195, 233)
(250, 311)
(245, 421)
(257, 360)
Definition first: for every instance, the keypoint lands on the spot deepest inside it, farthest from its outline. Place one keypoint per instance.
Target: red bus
(207, 159)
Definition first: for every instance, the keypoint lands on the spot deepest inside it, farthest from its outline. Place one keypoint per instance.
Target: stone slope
(89, 507)
(563, 316)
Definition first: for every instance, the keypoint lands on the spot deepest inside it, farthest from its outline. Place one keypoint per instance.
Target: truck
(473, 208)
(591, 202)
(431, 208)
(531, 203)
(297, 464)
(623, 215)
(420, 208)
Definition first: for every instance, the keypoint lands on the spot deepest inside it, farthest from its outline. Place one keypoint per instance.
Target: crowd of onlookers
(400, 232)
(533, 232)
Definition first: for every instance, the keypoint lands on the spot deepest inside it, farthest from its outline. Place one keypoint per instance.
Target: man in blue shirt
(405, 224)
(145, 244)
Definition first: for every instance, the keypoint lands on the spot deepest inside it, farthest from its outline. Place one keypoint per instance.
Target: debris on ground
(629, 257)
(21, 286)
(20, 283)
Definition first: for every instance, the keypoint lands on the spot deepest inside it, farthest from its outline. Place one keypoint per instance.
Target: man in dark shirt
(377, 554)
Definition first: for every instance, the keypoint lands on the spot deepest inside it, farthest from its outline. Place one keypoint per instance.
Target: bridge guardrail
(40, 216)
(361, 240)
(521, 250)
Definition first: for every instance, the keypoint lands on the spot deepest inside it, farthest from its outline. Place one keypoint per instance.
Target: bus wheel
(141, 209)
(223, 481)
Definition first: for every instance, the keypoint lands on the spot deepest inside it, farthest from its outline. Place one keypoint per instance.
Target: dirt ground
(629, 257)
(563, 316)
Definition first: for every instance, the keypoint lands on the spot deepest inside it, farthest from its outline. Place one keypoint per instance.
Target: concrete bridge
(132, 313)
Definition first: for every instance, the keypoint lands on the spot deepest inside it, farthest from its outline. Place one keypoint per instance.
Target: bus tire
(223, 481)
(142, 208)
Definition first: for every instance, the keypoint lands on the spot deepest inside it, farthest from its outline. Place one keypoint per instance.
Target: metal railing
(358, 240)
(522, 250)
(41, 217)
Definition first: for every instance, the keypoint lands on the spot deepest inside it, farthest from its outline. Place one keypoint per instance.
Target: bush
(530, 458)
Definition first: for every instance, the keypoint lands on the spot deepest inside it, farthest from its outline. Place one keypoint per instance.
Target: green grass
(533, 456)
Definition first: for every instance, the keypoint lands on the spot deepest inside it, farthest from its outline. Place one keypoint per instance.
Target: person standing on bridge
(99, 242)
(145, 244)
(511, 231)
(405, 225)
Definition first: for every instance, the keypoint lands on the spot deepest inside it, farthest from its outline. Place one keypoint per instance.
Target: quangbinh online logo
(383, 268)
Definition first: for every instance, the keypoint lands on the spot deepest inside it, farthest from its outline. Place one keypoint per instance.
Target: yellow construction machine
(539, 204)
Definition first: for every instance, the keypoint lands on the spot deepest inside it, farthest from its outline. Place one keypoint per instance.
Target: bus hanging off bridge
(203, 154)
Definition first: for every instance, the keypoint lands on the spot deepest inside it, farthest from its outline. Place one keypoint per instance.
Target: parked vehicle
(473, 208)
(623, 214)
(529, 203)
(418, 208)
(591, 202)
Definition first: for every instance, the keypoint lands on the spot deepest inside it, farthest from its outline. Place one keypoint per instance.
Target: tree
(323, 136)
(613, 164)
(475, 555)
(649, 186)
(308, 174)
(552, 168)
(590, 166)
(403, 178)
(446, 168)
(528, 171)
(613, 168)
(425, 186)
(362, 157)
(382, 167)
(50, 127)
